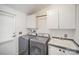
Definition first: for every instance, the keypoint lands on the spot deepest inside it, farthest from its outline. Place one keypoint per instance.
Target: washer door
(35, 51)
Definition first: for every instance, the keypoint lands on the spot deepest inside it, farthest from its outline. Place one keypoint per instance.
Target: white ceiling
(28, 8)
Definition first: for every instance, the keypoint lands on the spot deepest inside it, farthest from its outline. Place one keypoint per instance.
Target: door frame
(5, 12)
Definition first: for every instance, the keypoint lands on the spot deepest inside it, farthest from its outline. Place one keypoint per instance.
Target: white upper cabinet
(67, 17)
(52, 19)
(61, 17)
(31, 21)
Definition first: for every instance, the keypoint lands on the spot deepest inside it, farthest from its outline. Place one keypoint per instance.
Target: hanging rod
(41, 16)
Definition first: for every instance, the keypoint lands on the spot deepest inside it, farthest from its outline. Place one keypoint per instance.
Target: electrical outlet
(20, 32)
(65, 35)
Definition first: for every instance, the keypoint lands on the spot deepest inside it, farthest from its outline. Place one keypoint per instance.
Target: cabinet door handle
(59, 49)
(63, 51)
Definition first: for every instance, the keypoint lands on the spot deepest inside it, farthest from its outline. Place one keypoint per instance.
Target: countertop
(66, 44)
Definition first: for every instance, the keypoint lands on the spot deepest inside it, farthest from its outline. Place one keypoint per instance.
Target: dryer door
(35, 51)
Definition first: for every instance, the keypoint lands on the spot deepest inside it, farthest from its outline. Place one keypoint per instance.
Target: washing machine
(39, 45)
(24, 44)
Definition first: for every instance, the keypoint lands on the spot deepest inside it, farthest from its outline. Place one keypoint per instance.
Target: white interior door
(7, 27)
(7, 34)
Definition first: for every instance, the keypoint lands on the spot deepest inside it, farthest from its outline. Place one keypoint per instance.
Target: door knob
(14, 35)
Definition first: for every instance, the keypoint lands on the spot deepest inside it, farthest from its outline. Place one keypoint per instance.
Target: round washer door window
(35, 51)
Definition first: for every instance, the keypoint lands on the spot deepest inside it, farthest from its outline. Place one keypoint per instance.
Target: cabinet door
(67, 16)
(54, 50)
(52, 19)
(31, 21)
(67, 52)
